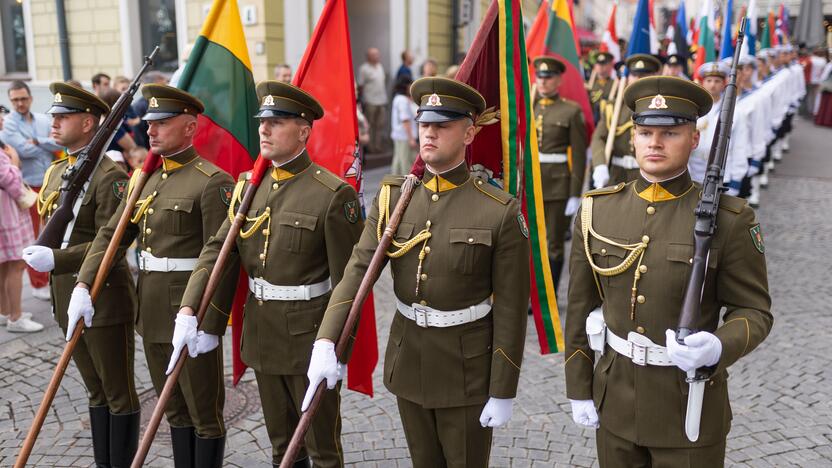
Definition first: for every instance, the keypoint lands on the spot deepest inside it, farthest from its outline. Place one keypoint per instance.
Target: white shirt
(371, 81)
(403, 113)
(818, 64)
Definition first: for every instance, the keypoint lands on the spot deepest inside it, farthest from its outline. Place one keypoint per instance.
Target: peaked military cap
(278, 99)
(675, 59)
(545, 67)
(164, 102)
(603, 58)
(713, 69)
(70, 99)
(445, 99)
(643, 64)
(666, 101)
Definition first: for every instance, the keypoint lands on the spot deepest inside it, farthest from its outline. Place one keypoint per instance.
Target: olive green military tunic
(477, 249)
(659, 218)
(302, 225)
(599, 94)
(182, 204)
(560, 130)
(622, 145)
(104, 354)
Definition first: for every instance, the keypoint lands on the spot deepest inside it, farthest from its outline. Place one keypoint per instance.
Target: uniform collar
(665, 190)
(292, 167)
(546, 100)
(448, 180)
(72, 158)
(178, 160)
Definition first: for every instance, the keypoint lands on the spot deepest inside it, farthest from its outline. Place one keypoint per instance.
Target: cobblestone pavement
(780, 393)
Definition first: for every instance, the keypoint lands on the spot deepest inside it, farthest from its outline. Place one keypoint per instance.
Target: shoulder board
(606, 190)
(58, 161)
(328, 179)
(206, 167)
(732, 204)
(244, 176)
(492, 192)
(570, 102)
(391, 179)
(108, 164)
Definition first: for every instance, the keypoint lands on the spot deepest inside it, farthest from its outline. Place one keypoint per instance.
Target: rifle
(73, 186)
(616, 113)
(76, 176)
(704, 231)
(364, 289)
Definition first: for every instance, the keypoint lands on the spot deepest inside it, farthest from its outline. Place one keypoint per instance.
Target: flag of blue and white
(727, 48)
(640, 36)
(749, 46)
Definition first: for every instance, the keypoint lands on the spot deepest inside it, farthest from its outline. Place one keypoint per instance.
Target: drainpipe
(63, 40)
(454, 32)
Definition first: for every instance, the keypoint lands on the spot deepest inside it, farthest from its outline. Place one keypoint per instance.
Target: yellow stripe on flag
(561, 9)
(221, 29)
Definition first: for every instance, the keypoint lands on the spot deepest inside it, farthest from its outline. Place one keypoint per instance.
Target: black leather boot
(556, 268)
(100, 428)
(124, 438)
(209, 453)
(183, 446)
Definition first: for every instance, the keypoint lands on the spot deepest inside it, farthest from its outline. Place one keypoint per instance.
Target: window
(13, 36)
(158, 27)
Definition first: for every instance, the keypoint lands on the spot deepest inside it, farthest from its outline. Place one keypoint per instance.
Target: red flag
(326, 72)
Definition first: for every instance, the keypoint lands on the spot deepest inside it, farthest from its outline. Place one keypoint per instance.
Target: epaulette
(207, 168)
(391, 179)
(732, 204)
(492, 192)
(605, 190)
(571, 102)
(328, 179)
(58, 161)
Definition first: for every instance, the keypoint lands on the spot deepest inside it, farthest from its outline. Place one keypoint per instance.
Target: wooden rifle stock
(364, 289)
(616, 112)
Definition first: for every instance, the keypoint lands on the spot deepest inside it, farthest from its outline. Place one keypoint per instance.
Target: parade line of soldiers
(459, 265)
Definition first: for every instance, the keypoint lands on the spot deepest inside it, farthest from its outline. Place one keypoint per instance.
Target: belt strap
(639, 349)
(265, 291)
(626, 162)
(428, 317)
(147, 262)
(553, 158)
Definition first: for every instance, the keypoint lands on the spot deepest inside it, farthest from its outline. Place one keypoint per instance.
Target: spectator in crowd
(429, 68)
(75, 83)
(28, 133)
(451, 71)
(404, 69)
(15, 234)
(283, 73)
(174, 79)
(100, 83)
(363, 125)
(371, 85)
(120, 84)
(122, 141)
(140, 108)
(135, 158)
(403, 127)
(818, 61)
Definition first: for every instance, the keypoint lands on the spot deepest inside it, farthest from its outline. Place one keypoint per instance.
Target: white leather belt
(626, 162)
(552, 158)
(428, 317)
(147, 262)
(265, 291)
(640, 349)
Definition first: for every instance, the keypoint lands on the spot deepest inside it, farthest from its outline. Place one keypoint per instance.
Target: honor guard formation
(656, 309)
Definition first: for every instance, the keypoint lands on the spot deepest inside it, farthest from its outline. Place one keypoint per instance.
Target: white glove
(752, 170)
(600, 175)
(572, 206)
(206, 342)
(322, 365)
(39, 258)
(732, 191)
(80, 305)
(184, 333)
(584, 414)
(701, 349)
(497, 412)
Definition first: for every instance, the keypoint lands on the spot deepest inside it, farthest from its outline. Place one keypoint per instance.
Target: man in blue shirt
(28, 133)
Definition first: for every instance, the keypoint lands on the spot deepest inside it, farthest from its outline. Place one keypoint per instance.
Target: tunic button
(690, 260)
(423, 302)
(423, 277)
(470, 240)
(265, 232)
(603, 251)
(175, 207)
(427, 223)
(650, 210)
(150, 211)
(148, 249)
(640, 330)
(641, 299)
(479, 182)
(642, 269)
(427, 249)
(148, 231)
(434, 197)
(262, 256)
(317, 172)
(55, 206)
(645, 239)
(268, 209)
(297, 223)
(275, 186)
(164, 176)
(259, 302)
(155, 193)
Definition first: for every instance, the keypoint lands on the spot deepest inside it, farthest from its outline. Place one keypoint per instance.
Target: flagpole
(616, 112)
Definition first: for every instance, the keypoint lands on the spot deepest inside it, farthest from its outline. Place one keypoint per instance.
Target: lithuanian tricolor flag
(218, 72)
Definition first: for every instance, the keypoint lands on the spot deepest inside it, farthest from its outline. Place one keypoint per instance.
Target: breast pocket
(680, 261)
(470, 250)
(296, 232)
(404, 232)
(179, 217)
(607, 255)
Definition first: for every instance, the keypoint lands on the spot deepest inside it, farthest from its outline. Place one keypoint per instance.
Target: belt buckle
(142, 263)
(306, 292)
(258, 290)
(639, 354)
(420, 316)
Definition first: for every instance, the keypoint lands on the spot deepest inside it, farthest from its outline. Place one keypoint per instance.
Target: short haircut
(280, 66)
(96, 79)
(17, 84)
(121, 79)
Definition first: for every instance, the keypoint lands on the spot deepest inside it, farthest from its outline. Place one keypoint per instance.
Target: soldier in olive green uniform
(631, 256)
(299, 233)
(182, 204)
(460, 275)
(622, 166)
(104, 353)
(561, 141)
(601, 88)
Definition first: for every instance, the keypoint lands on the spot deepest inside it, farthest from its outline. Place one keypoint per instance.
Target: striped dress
(15, 224)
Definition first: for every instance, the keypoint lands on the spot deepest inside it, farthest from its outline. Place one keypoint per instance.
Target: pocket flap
(300, 322)
(476, 343)
(298, 220)
(404, 231)
(595, 322)
(683, 253)
(603, 249)
(471, 236)
(177, 204)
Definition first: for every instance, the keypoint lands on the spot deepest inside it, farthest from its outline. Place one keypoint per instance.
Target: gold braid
(44, 205)
(402, 247)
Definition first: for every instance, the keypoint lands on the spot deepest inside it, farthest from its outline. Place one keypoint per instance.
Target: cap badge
(434, 100)
(268, 100)
(153, 103)
(639, 64)
(58, 97)
(658, 102)
(671, 60)
(544, 66)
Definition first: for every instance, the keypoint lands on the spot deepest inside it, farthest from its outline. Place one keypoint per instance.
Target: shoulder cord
(258, 221)
(405, 247)
(44, 205)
